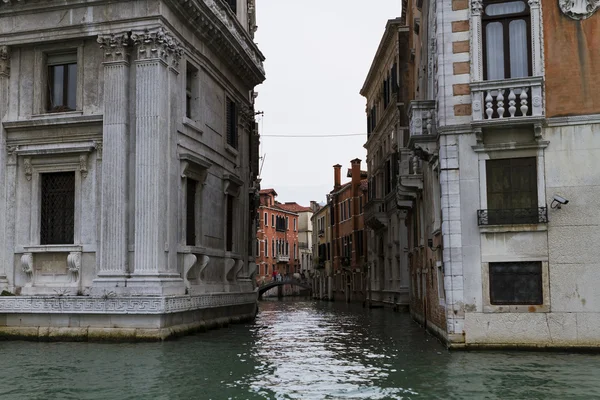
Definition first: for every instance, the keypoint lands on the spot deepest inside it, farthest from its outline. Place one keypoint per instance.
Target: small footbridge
(262, 288)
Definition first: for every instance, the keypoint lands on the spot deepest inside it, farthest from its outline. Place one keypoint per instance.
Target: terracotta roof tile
(294, 207)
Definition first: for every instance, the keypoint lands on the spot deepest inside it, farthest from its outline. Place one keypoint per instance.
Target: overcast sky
(318, 56)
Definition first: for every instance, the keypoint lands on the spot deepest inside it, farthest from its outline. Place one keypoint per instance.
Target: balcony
(281, 258)
(507, 101)
(375, 216)
(512, 217)
(421, 116)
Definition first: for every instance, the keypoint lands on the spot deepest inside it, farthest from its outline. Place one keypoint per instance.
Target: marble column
(4, 80)
(155, 49)
(112, 265)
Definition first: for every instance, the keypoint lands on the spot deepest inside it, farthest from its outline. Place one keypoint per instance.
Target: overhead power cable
(314, 136)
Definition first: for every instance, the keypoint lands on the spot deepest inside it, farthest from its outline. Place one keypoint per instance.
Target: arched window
(506, 39)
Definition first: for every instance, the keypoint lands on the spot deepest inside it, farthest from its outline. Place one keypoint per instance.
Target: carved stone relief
(27, 266)
(579, 9)
(116, 47)
(74, 265)
(157, 43)
(4, 61)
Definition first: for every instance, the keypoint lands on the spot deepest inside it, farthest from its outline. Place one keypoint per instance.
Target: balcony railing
(508, 99)
(513, 217)
(421, 116)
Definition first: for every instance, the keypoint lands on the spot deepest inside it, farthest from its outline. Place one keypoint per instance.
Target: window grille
(58, 208)
(516, 283)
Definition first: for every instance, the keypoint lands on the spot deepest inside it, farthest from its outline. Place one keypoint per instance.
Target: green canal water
(294, 350)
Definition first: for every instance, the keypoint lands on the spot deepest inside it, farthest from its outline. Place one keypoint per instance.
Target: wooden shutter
(512, 183)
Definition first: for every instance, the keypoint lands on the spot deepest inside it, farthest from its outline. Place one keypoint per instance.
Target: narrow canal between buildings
(294, 350)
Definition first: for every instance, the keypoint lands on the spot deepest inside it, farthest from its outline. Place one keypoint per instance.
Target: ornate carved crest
(579, 9)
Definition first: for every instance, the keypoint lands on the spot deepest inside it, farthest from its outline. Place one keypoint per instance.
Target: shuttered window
(229, 227)
(516, 283)
(190, 212)
(58, 208)
(511, 183)
(232, 134)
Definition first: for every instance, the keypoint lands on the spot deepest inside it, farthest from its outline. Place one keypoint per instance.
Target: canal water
(294, 350)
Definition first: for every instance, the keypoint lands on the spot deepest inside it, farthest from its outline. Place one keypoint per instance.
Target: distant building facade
(277, 238)
(390, 197)
(128, 155)
(322, 279)
(348, 252)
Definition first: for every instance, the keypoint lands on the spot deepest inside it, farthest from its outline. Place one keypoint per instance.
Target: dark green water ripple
(294, 350)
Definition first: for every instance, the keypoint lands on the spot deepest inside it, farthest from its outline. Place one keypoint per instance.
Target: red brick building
(277, 237)
(348, 233)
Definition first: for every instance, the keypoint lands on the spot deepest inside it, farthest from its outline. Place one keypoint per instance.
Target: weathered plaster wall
(572, 56)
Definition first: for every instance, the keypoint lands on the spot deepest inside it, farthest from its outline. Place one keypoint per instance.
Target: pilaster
(4, 88)
(155, 49)
(112, 265)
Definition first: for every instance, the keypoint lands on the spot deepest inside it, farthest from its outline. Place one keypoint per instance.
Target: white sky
(318, 56)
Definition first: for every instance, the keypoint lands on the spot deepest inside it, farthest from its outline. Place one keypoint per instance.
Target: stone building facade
(277, 238)
(128, 159)
(322, 280)
(348, 244)
(502, 139)
(390, 198)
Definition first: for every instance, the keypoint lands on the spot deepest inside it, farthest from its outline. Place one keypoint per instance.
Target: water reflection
(294, 350)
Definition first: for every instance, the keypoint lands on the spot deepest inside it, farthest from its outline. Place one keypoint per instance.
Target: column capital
(116, 46)
(4, 61)
(476, 7)
(157, 43)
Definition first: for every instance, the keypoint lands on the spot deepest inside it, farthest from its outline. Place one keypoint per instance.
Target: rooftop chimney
(337, 176)
(356, 178)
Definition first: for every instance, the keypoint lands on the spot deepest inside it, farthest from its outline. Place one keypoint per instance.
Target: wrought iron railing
(512, 217)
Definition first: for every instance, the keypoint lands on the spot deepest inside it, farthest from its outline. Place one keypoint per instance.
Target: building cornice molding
(393, 27)
(573, 120)
(213, 20)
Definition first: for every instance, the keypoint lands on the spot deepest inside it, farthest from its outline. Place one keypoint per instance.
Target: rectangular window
(62, 82)
(287, 223)
(266, 248)
(230, 224)
(233, 5)
(232, 133)
(294, 224)
(190, 211)
(512, 191)
(516, 283)
(191, 82)
(273, 220)
(258, 248)
(506, 39)
(58, 208)
(266, 219)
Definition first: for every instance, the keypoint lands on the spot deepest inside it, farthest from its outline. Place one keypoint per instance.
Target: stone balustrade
(516, 100)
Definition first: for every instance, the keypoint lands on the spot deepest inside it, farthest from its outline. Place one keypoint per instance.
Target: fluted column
(113, 236)
(155, 49)
(4, 79)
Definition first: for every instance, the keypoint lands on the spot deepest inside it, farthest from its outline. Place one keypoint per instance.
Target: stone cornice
(213, 21)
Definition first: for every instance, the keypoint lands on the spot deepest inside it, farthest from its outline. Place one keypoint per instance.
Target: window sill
(232, 150)
(192, 250)
(542, 227)
(53, 248)
(57, 114)
(532, 308)
(193, 125)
